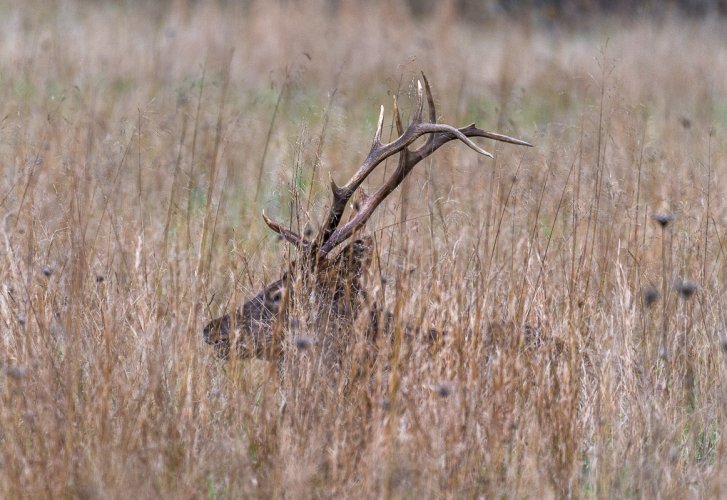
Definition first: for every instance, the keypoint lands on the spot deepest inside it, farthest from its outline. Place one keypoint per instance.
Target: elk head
(335, 281)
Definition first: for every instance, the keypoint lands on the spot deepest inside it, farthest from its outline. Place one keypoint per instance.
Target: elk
(334, 281)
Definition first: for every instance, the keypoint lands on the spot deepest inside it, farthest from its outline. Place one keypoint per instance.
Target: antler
(289, 236)
(438, 134)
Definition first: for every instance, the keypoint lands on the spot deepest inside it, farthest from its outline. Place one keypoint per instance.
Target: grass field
(586, 346)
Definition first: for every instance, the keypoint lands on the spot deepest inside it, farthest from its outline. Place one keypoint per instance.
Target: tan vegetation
(139, 144)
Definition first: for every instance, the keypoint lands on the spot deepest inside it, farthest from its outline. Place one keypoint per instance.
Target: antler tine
(430, 100)
(419, 107)
(397, 117)
(472, 131)
(379, 129)
(338, 192)
(432, 128)
(289, 236)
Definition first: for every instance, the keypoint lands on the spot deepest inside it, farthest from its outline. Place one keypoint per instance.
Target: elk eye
(276, 297)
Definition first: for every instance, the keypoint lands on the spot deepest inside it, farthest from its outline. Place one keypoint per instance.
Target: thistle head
(651, 295)
(686, 288)
(663, 219)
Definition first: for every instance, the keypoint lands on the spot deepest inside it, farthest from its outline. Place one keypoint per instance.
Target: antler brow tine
(291, 237)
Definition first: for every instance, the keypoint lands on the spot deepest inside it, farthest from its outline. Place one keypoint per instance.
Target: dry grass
(133, 143)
